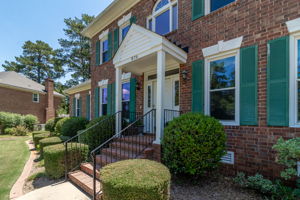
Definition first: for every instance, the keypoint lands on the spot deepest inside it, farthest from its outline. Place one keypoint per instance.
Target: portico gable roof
(141, 43)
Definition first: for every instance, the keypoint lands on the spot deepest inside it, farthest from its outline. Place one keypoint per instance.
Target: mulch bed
(217, 188)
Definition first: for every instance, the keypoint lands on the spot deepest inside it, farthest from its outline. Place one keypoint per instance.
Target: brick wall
(17, 101)
(258, 21)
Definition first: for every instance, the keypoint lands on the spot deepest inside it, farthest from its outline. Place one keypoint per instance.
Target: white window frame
(294, 38)
(122, 23)
(220, 56)
(174, 93)
(162, 10)
(77, 107)
(38, 98)
(100, 99)
(207, 6)
(102, 37)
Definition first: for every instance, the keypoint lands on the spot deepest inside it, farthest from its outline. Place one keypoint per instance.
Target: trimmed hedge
(59, 125)
(47, 142)
(71, 126)
(135, 180)
(51, 123)
(38, 137)
(193, 144)
(37, 133)
(54, 157)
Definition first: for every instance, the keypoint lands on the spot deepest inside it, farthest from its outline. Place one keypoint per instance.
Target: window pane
(125, 31)
(104, 109)
(222, 104)
(161, 4)
(126, 92)
(104, 96)
(216, 4)
(175, 17)
(105, 45)
(149, 97)
(222, 73)
(176, 93)
(162, 23)
(105, 57)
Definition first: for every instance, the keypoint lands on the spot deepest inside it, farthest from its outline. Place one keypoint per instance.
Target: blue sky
(23, 20)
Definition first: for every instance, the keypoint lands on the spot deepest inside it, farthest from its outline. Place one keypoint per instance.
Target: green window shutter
(96, 103)
(80, 107)
(132, 103)
(133, 20)
(278, 82)
(109, 99)
(198, 86)
(74, 107)
(98, 47)
(110, 45)
(248, 85)
(88, 105)
(116, 40)
(197, 9)
(113, 92)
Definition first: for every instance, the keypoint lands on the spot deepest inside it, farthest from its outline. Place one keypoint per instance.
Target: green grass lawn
(13, 155)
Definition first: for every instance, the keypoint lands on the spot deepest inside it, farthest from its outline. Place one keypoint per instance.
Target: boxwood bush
(59, 125)
(135, 180)
(47, 142)
(51, 123)
(193, 144)
(38, 137)
(30, 121)
(38, 132)
(71, 126)
(97, 134)
(54, 157)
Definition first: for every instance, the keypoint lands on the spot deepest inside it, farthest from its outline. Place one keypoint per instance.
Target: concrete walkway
(60, 191)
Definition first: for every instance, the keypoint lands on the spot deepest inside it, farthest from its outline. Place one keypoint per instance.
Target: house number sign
(134, 57)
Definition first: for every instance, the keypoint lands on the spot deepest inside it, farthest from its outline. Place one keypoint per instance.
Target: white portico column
(118, 98)
(161, 66)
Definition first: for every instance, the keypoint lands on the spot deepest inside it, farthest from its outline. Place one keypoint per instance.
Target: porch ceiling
(138, 51)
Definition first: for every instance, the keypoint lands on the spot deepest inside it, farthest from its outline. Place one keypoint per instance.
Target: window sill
(229, 123)
(295, 126)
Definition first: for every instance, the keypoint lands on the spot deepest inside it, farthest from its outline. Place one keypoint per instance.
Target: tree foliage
(76, 49)
(38, 62)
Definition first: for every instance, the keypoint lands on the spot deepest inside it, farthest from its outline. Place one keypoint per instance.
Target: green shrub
(30, 121)
(97, 134)
(47, 142)
(38, 137)
(17, 131)
(135, 180)
(288, 154)
(54, 157)
(59, 125)
(9, 131)
(71, 126)
(37, 133)
(51, 123)
(10, 120)
(193, 144)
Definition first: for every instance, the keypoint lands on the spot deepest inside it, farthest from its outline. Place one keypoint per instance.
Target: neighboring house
(24, 96)
(237, 61)
(80, 100)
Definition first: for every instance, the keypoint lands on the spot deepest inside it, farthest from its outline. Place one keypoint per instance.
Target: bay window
(164, 18)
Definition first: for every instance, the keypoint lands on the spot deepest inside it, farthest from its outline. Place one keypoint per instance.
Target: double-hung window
(126, 99)
(164, 18)
(103, 101)
(222, 87)
(77, 107)
(124, 31)
(104, 51)
(35, 98)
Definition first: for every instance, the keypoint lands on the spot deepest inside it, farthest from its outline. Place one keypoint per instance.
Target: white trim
(103, 34)
(77, 107)
(293, 25)
(103, 83)
(223, 46)
(100, 98)
(101, 48)
(207, 7)
(235, 53)
(293, 80)
(77, 96)
(126, 76)
(38, 97)
(124, 19)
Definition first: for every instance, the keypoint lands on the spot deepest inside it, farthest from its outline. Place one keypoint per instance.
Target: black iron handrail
(140, 133)
(77, 142)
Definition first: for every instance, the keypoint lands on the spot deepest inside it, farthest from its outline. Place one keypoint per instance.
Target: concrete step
(85, 182)
(88, 169)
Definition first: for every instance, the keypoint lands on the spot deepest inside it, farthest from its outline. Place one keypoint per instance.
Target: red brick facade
(258, 22)
(18, 101)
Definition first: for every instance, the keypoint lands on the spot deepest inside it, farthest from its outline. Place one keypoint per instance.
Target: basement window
(35, 98)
